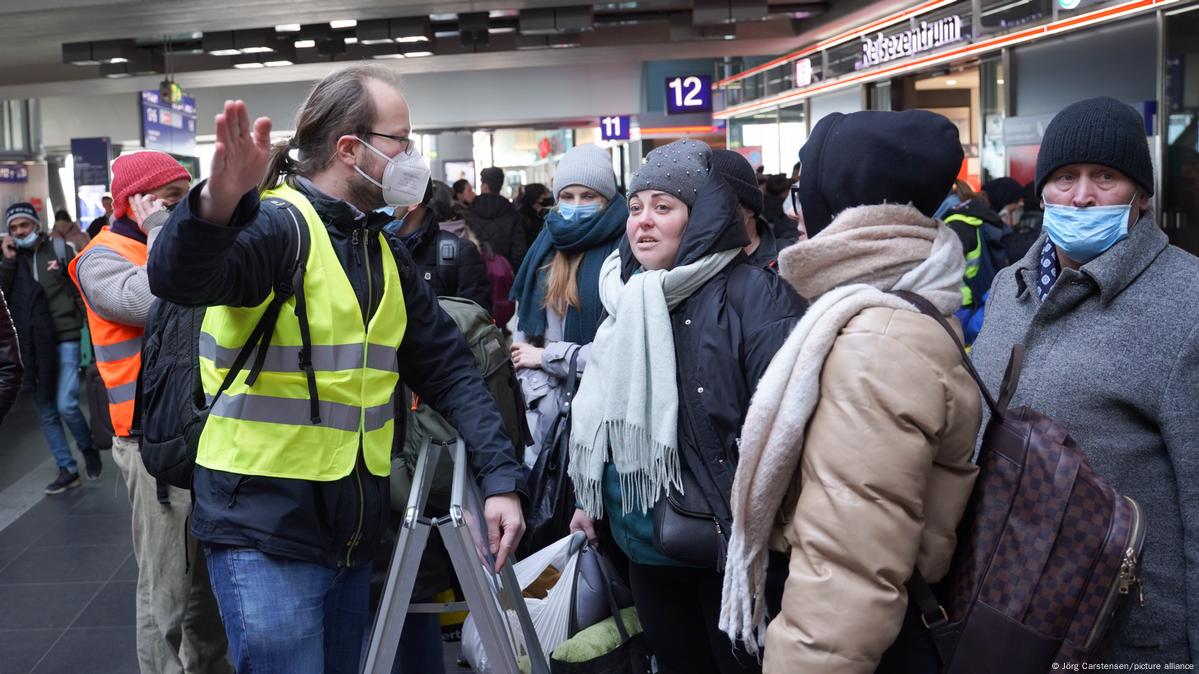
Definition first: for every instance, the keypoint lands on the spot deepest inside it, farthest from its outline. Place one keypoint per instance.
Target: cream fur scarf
(847, 268)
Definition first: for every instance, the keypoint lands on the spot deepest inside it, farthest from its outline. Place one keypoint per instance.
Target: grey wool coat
(1113, 353)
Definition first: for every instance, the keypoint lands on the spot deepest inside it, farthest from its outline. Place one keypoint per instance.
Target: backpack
(499, 270)
(1048, 552)
(490, 350)
(170, 408)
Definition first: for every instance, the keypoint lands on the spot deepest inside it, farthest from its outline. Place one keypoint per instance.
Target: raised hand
(241, 158)
(142, 206)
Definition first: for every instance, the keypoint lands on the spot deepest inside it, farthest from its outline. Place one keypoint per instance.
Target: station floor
(67, 573)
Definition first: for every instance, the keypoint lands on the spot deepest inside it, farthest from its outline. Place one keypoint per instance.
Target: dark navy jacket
(199, 263)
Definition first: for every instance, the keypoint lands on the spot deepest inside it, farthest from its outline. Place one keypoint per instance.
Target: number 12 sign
(615, 127)
(692, 93)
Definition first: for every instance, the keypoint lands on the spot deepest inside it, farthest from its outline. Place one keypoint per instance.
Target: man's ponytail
(279, 164)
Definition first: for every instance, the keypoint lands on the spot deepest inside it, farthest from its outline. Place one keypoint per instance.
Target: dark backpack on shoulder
(172, 407)
(1048, 552)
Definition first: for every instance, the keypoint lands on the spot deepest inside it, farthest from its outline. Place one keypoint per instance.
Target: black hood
(715, 225)
(490, 206)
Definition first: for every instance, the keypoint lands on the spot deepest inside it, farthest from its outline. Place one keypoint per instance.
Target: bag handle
(613, 608)
(572, 384)
(998, 409)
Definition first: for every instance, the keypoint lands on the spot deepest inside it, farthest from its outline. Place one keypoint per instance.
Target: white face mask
(404, 180)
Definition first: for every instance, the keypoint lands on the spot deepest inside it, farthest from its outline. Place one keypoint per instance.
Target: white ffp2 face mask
(404, 180)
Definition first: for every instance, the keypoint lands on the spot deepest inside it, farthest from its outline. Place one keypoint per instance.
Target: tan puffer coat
(883, 481)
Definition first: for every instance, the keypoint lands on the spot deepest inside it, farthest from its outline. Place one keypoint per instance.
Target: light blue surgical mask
(26, 241)
(1084, 234)
(577, 212)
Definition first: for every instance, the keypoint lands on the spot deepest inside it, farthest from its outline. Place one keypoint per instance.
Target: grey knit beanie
(679, 168)
(587, 165)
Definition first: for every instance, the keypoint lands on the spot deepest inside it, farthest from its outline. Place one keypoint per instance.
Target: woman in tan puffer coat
(856, 451)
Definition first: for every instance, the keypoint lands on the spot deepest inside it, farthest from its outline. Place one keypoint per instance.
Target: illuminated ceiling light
(412, 29)
(114, 51)
(374, 32)
(951, 82)
(343, 23)
(277, 63)
(288, 28)
(305, 44)
(998, 81)
(78, 54)
(247, 62)
(351, 40)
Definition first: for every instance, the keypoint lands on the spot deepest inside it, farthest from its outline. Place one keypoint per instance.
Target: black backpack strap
(292, 284)
(925, 307)
(447, 263)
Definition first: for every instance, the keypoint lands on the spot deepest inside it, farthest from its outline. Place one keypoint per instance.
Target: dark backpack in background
(172, 408)
(1048, 552)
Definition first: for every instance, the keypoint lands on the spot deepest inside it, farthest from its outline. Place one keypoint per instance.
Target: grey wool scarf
(627, 408)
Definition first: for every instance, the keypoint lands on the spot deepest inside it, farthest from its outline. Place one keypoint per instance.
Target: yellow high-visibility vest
(973, 256)
(267, 429)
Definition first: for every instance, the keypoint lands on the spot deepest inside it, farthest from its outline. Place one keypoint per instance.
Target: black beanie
(740, 177)
(1003, 191)
(1097, 131)
(875, 157)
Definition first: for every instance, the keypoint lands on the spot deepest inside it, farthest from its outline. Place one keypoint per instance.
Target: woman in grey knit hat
(557, 291)
(691, 326)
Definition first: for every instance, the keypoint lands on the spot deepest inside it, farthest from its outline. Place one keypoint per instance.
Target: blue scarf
(596, 237)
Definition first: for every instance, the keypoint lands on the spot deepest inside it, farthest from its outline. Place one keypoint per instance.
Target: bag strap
(260, 338)
(572, 384)
(932, 614)
(925, 307)
(613, 607)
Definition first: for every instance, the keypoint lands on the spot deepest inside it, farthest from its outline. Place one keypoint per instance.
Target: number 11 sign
(688, 94)
(615, 127)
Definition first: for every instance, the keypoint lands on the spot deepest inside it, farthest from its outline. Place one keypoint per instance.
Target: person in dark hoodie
(535, 201)
(450, 264)
(11, 369)
(493, 220)
(33, 273)
(736, 170)
(691, 326)
(981, 229)
(775, 194)
(1027, 228)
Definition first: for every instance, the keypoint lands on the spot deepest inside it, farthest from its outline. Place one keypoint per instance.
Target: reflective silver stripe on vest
(297, 412)
(123, 393)
(111, 353)
(287, 358)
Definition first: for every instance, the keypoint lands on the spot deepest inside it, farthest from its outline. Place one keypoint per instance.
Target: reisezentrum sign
(926, 36)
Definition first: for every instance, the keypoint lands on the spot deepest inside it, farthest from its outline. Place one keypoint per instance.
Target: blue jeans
(287, 616)
(65, 408)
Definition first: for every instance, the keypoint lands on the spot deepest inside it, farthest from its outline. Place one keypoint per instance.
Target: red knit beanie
(142, 172)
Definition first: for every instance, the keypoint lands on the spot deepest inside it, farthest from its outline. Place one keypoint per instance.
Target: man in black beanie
(739, 175)
(1101, 303)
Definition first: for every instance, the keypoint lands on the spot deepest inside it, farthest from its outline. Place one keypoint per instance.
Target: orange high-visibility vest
(118, 346)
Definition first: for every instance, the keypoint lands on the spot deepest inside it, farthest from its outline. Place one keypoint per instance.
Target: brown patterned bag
(1048, 552)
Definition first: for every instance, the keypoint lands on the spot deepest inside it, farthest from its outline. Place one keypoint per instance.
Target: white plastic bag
(550, 616)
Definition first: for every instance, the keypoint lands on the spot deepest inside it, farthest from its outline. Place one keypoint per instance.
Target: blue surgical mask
(26, 241)
(577, 212)
(1084, 234)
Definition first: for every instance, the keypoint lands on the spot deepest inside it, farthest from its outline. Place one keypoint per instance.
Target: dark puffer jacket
(34, 324)
(464, 276)
(498, 226)
(50, 272)
(10, 361)
(725, 335)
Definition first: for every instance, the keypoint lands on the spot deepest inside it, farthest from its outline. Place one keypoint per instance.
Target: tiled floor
(67, 573)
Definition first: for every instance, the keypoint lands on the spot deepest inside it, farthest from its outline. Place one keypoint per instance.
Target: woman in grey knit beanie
(690, 327)
(556, 288)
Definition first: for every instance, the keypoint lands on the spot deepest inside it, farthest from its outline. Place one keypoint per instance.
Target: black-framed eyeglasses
(405, 143)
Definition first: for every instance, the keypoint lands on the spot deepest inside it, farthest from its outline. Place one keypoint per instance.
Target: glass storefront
(1180, 170)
